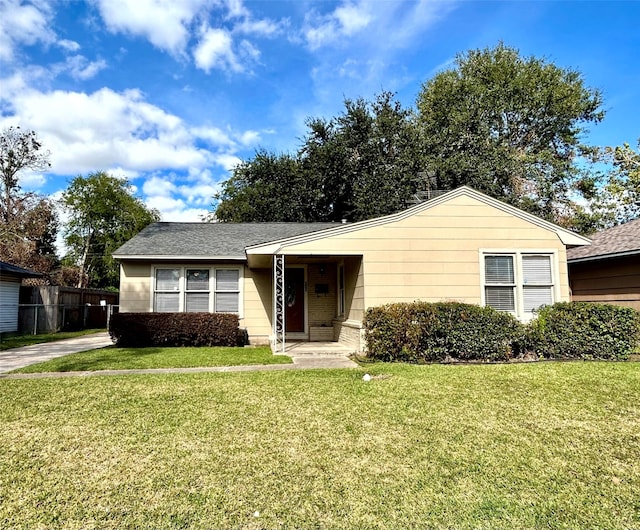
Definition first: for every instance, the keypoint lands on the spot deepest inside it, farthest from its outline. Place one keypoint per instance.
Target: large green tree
(509, 126)
(103, 214)
(362, 163)
(28, 222)
(270, 187)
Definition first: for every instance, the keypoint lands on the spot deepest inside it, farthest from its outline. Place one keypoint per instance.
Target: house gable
(462, 197)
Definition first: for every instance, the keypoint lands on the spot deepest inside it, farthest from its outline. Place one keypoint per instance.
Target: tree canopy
(510, 127)
(103, 214)
(506, 125)
(29, 223)
(358, 165)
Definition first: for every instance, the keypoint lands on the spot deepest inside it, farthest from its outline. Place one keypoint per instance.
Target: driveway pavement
(19, 357)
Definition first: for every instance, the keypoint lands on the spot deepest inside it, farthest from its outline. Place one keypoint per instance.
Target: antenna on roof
(426, 188)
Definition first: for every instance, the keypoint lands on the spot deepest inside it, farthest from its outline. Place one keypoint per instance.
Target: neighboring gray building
(10, 280)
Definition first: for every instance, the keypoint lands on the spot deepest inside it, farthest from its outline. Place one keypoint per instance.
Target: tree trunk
(83, 261)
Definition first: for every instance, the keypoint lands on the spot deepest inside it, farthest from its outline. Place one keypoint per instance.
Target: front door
(294, 300)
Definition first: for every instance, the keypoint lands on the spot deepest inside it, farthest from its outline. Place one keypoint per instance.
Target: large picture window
(201, 289)
(518, 282)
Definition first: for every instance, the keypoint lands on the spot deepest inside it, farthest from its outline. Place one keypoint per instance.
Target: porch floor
(299, 348)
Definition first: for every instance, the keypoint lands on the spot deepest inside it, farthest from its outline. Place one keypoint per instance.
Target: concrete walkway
(19, 357)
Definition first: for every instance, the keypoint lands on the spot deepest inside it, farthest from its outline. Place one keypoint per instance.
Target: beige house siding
(435, 254)
(135, 287)
(258, 304)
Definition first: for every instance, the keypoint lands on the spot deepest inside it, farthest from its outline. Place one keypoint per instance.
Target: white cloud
(172, 209)
(159, 187)
(263, 28)
(237, 9)
(90, 132)
(227, 161)
(214, 50)
(352, 18)
(32, 180)
(396, 23)
(23, 23)
(249, 138)
(82, 69)
(69, 45)
(213, 135)
(165, 23)
(344, 21)
(171, 28)
(123, 134)
(199, 194)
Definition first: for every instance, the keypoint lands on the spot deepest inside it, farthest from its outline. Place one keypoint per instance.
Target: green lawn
(16, 341)
(112, 358)
(541, 445)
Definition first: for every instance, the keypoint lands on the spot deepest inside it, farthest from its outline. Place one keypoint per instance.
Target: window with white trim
(227, 291)
(167, 291)
(197, 289)
(196, 297)
(518, 282)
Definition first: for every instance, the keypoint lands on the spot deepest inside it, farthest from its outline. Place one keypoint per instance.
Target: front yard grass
(112, 358)
(16, 341)
(541, 445)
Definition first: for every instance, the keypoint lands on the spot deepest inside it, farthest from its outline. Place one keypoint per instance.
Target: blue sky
(173, 93)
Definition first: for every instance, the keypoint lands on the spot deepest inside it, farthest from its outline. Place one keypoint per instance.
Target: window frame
(211, 290)
(519, 286)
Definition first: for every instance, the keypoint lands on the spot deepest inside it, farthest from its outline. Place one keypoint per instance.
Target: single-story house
(10, 280)
(608, 271)
(314, 281)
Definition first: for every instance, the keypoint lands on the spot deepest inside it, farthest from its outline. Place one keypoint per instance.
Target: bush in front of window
(584, 330)
(175, 329)
(422, 332)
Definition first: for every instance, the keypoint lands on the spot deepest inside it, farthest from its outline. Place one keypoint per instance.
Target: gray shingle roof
(210, 240)
(622, 239)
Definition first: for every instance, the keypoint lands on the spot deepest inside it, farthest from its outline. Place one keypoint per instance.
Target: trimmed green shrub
(584, 330)
(176, 329)
(426, 332)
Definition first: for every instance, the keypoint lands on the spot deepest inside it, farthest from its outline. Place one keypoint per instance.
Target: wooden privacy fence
(45, 309)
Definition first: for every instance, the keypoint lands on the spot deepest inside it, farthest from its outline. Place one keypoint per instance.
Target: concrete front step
(302, 349)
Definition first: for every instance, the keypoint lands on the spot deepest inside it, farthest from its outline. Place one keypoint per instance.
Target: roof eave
(604, 256)
(179, 257)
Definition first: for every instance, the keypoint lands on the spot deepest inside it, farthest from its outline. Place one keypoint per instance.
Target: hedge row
(176, 329)
(582, 330)
(430, 332)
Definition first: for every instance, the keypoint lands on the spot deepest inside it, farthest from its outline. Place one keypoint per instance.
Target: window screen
(537, 289)
(167, 279)
(499, 269)
(227, 291)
